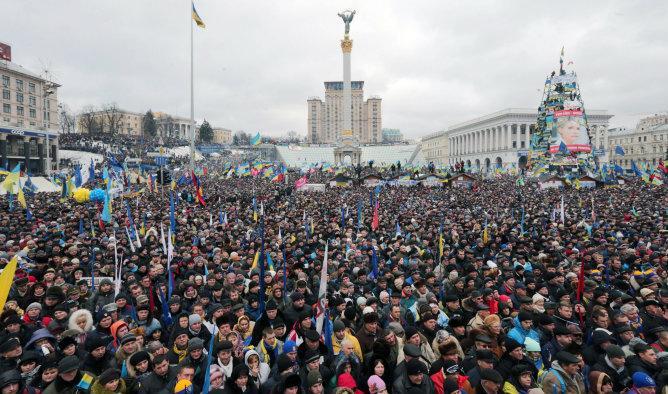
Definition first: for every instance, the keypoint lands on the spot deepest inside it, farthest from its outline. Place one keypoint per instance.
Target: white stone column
(496, 138)
(509, 135)
(528, 136)
(347, 47)
(491, 139)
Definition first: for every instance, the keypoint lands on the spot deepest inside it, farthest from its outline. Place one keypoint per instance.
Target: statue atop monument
(347, 17)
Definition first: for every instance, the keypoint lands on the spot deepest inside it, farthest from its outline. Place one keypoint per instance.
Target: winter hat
(34, 305)
(215, 372)
(138, 357)
(524, 315)
(194, 318)
(289, 346)
(531, 345)
(313, 378)
(284, 363)
(614, 351)
(377, 382)
(511, 345)
(108, 376)
(415, 366)
(641, 379)
(410, 331)
(195, 344)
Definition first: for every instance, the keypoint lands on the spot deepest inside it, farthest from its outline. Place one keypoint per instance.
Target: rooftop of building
(17, 68)
(298, 156)
(338, 85)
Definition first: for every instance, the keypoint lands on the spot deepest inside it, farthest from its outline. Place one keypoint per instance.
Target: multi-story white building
(499, 139)
(325, 119)
(170, 126)
(222, 136)
(647, 143)
(29, 117)
(435, 148)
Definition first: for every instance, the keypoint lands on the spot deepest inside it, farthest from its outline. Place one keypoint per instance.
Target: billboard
(569, 128)
(5, 52)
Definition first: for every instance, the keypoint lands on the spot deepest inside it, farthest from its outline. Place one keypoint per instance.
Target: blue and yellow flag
(256, 140)
(196, 18)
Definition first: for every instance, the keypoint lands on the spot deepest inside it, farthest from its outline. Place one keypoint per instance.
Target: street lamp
(48, 91)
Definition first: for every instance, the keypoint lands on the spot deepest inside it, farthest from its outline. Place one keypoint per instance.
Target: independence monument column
(346, 48)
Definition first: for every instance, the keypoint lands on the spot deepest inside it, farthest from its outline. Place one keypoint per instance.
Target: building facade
(222, 136)
(435, 148)
(325, 118)
(499, 139)
(170, 126)
(29, 121)
(113, 121)
(392, 135)
(646, 144)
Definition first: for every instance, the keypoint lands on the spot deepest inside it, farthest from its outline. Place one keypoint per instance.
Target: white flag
(563, 217)
(322, 294)
(132, 244)
(162, 239)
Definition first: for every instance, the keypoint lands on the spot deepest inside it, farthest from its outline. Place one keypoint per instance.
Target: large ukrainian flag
(196, 17)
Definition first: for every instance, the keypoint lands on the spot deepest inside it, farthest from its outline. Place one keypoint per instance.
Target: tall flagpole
(192, 97)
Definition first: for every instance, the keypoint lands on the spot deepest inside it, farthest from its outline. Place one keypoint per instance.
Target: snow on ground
(42, 184)
(183, 151)
(79, 156)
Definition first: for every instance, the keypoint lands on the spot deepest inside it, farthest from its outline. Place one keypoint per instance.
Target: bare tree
(293, 137)
(67, 119)
(87, 121)
(166, 126)
(112, 118)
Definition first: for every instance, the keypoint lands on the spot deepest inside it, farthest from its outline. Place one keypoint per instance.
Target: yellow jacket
(336, 344)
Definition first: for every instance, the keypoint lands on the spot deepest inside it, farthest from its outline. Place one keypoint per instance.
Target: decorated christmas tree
(562, 130)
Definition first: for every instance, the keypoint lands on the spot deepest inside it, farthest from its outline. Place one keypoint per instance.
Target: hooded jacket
(264, 370)
(553, 378)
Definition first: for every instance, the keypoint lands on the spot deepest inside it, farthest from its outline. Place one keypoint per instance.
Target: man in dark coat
(613, 365)
(158, 380)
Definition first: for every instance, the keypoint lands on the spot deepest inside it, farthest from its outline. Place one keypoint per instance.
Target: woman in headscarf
(244, 327)
(237, 344)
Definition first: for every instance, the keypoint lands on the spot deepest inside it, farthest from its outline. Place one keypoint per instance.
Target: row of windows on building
(641, 151)
(19, 84)
(32, 100)
(627, 162)
(643, 138)
(20, 111)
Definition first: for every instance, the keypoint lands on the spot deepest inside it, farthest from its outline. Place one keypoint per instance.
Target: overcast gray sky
(434, 63)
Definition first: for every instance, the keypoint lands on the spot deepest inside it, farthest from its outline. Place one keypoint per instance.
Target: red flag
(198, 190)
(581, 282)
(374, 222)
(662, 167)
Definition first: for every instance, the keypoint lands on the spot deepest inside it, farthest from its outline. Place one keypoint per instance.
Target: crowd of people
(427, 290)
(117, 144)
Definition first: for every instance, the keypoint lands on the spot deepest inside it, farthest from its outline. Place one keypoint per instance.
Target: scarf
(270, 353)
(181, 353)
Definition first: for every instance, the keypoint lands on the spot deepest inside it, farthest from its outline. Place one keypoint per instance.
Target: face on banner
(569, 128)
